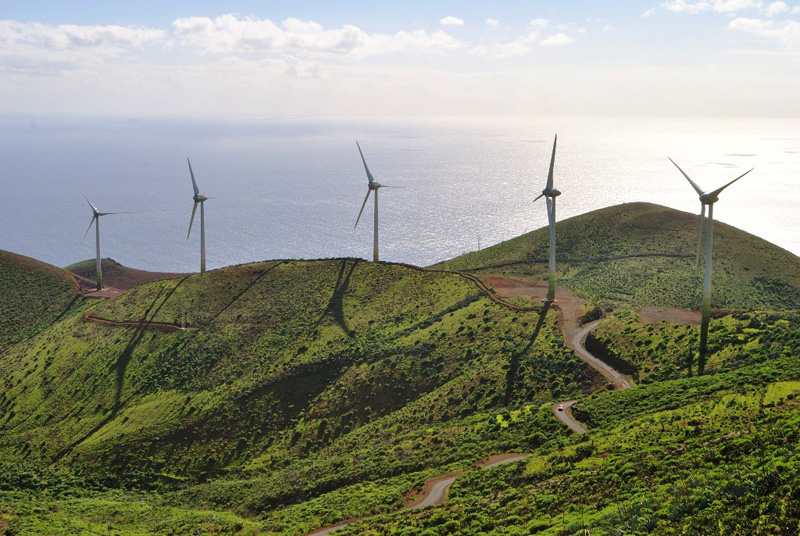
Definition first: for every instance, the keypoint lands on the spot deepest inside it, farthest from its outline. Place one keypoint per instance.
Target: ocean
(293, 188)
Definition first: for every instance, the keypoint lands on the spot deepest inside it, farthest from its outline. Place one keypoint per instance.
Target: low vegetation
(280, 397)
(33, 295)
(640, 254)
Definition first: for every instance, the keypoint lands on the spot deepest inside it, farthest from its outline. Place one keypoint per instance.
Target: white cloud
(717, 6)
(492, 22)
(71, 36)
(732, 6)
(538, 24)
(786, 32)
(451, 21)
(682, 6)
(556, 40)
(776, 8)
(44, 49)
(230, 34)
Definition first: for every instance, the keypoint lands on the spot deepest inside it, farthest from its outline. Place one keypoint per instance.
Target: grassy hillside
(32, 296)
(642, 254)
(116, 275)
(671, 456)
(286, 368)
(706, 455)
(304, 393)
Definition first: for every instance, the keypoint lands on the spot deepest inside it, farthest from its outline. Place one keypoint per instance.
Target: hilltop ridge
(643, 254)
(33, 294)
(118, 276)
(284, 396)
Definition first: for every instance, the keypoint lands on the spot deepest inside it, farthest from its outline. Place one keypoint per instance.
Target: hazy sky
(259, 59)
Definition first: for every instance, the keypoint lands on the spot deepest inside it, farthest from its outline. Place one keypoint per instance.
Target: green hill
(116, 275)
(280, 397)
(642, 254)
(281, 362)
(33, 295)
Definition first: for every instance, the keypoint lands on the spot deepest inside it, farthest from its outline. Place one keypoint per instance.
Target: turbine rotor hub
(551, 192)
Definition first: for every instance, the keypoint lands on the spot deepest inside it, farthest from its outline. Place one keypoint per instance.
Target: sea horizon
(292, 188)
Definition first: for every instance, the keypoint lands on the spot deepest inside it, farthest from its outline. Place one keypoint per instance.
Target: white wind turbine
(706, 198)
(372, 186)
(550, 194)
(96, 222)
(199, 199)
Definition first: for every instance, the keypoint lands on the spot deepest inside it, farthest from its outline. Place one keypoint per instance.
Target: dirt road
(435, 489)
(576, 342)
(566, 417)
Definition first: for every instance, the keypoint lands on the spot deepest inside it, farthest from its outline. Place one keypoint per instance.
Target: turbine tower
(549, 193)
(706, 198)
(96, 222)
(372, 186)
(199, 199)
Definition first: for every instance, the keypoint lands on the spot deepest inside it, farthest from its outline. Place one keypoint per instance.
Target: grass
(640, 254)
(713, 454)
(303, 393)
(287, 369)
(33, 295)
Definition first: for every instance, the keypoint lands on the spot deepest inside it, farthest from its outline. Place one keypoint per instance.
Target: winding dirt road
(434, 491)
(576, 342)
(566, 417)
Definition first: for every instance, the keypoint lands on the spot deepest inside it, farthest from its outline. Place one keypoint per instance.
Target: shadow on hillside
(66, 309)
(335, 306)
(242, 292)
(121, 365)
(513, 366)
(39, 330)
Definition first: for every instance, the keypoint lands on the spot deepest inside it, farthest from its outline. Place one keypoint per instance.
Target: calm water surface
(292, 189)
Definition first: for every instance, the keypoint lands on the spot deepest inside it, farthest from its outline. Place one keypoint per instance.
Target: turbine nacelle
(709, 198)
(551, 192)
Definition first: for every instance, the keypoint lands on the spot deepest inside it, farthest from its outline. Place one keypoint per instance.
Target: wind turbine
(549, 193)
(706, 198)
(199, 199)
(372, 186)
(96, 222)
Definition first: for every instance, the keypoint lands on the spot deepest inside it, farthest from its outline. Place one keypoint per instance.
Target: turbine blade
(191, 173)
(370, 178)
(94, 208)
(550, 216)
(364, 204)
(552, 163)
(87, 230)
(694, 184)
(540, 196)
(191, 220)
(718, 190)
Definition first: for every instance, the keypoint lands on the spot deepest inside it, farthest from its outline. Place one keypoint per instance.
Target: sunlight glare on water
(292, 189)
